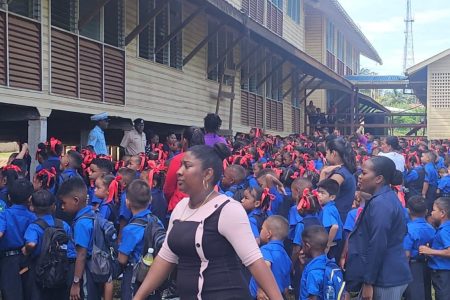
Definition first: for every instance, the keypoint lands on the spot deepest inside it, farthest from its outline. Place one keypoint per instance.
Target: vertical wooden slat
(64, 67)
(244, 108)
(90, 70)
(3, 48)
(114, 76)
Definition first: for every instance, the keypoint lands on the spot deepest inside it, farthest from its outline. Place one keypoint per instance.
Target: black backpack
(52, 264)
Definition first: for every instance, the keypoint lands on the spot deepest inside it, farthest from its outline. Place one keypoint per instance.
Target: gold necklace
(195, 211)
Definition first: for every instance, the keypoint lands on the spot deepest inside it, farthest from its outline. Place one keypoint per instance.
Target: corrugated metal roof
(376, 78)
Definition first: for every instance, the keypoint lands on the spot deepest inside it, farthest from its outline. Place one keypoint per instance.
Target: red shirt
(170, 189)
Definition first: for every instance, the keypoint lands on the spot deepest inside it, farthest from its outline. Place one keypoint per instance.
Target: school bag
(103, 264)
(260, 218)
(154, 235)
(52, 264)
(333, 279)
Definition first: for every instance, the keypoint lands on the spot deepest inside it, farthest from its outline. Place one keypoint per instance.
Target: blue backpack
(333, 281)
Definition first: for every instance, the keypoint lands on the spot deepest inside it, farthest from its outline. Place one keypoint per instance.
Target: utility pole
(408, 53)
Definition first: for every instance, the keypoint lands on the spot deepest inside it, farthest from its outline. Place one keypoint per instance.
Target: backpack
(260, 218)
(103, 263)
(333, 277)
(154, 235)
(52, 264)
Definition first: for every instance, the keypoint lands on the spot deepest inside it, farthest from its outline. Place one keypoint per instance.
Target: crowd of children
(290, 205)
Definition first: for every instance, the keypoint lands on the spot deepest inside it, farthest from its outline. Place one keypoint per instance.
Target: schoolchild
(267, 178)
(98, 167)
(273, 233)
(444, 183)
(48, 155)
(256, 202)
(158, 204)
(43, 205)
(132, 243)
(419, 233)
(233, 182)
(414, 177)
(431, 178)
(251, 179)
(45, 180)
(297, 188)
(327, 191)
(73, 194)
(13, 224)
(352, 216)
(69, 166)
(8, 174)
(137, 163)
(439, 252)
(128, 175)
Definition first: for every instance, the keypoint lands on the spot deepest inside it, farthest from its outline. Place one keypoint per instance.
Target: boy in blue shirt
(444, 183)
(273, 232)
(128, 175)
(132, 244)
(99, 167)
(13, 224)
(70, 163)
(419, 233)
(431, 179)
(73, 193)
(233, 182)
(327, 191)
(315, 242)
(439, 252)
(43, 205)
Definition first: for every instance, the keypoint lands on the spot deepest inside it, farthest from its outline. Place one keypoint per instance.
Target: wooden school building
(255, 62)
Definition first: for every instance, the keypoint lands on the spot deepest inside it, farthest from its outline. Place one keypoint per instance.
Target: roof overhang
(379, 81)
(279, 45)
(367, 101)
(427, 62)
(337, 14)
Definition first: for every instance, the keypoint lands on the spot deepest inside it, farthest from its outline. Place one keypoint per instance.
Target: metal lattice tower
(408, 53)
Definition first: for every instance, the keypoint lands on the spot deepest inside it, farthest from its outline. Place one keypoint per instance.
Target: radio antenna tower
(408, 53)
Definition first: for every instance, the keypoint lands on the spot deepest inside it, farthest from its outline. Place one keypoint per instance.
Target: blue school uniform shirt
(311, 283)
(329, 217)
(13, 223)
(294, 218)
(252, 182)
(369, 147)
(419, 233)
(83, 229)
(104, 210)
(66, 175)
(124, 212)
(440, 164)
(280, 262)
(306, 221)
(441, 241)
(431, 174)
(412, 175)
(276, 202)
(52, 161)
(318, 164)
(133, 238)
(254, 221)
(92, 198)
(3, 199)
(444, 184)
(344, 199)
(351, 220)
(35, 233)
(233, 189)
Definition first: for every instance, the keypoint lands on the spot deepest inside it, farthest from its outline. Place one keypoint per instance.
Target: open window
(27, 8)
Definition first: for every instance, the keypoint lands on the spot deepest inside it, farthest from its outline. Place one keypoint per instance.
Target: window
(216, 47)
(273, 89)
(330, 37)
(249, 83)
(275, 16)
(152, 38)
(348, 54)
(92, 28)
(294, 10)
(26, 8)
(340, 46)
(63, 14)
(277, 3)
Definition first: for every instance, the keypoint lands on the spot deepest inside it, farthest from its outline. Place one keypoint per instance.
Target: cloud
(431, 16)
(381, 26)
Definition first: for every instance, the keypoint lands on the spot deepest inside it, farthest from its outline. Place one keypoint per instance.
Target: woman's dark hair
(194, 136)
(212, 123)
(393, 142)
(345, 152)
(42, 151)
(212, 157)
(386, 167)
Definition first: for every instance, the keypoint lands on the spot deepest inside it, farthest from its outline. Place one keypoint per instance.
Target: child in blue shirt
(73, 194)
(327, 191)
(106, 189)
(439, 252)
(414, 176)
(128, 175)
(431, 178)
(43, 205)
(45, 180)
(273, 233)
(233, 182)
(13, 224)
(444, 183)
(255, 202)
(315, 242)
(132, 245)
(267, 178)
(70, 163)
(158, 204)
(297, 188)
(8, 175)
(98, 167)
(252, 182)
(419, 233)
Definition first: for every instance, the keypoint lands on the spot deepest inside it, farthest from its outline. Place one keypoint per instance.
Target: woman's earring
(205, 184)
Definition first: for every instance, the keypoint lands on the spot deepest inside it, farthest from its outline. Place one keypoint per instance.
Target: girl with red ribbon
(107, 190)
(8, 174)
(45, 180)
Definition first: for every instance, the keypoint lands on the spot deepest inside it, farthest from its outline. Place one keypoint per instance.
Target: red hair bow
(311, 166)
(50, 174)
(53, 143)
(304, 201)
(12, 167)
(113, 189)
(225, 164)
(143, 161)
(265, 193)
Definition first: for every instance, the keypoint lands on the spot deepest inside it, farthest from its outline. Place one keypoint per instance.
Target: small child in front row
(106, 192)
(158, 204)
(439, 252)
(233, 182)
(256, 202)
(273, 232)
(128, 175)
(132, 244)
(43, 205)
(327, 191)
(444, 183)
(419, 233)
(13, 223)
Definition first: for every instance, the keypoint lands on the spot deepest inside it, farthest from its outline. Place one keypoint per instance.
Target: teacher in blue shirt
(97, 135)
(377, 264)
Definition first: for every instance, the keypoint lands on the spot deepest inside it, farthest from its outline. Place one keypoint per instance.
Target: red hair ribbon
(310, 166)
(265, 193)
(12, 167)
(304, 202)
(143, 161)
(257, 132)
(410, 156)
(289, 148)
(113, 189)
(225, 164)
(260, 152)
(53, 143)
(50, 174)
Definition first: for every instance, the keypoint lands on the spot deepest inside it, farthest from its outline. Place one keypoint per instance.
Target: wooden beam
(141, 26)
(247, 56)
(295, 85)
(225, 53)
(274, 69)
(177, 30)
(258, 64)
(284, 79)
(202, 43)
(83, 22)
(311, 91)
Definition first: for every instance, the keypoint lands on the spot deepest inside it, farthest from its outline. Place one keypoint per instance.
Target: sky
(382, 22)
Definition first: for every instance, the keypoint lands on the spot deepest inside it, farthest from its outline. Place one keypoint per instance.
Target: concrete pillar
(37, 133)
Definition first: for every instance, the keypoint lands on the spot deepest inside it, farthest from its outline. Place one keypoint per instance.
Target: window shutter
(91, 77)
(2, 48)
(64, 65)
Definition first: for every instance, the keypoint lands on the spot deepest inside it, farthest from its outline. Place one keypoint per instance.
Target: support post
(284, 80)
(352, 111)
(37, 133)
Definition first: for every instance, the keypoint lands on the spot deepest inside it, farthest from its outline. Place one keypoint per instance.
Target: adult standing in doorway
(212, 123)
(134, 141)
(311, 111)
(96, 137)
